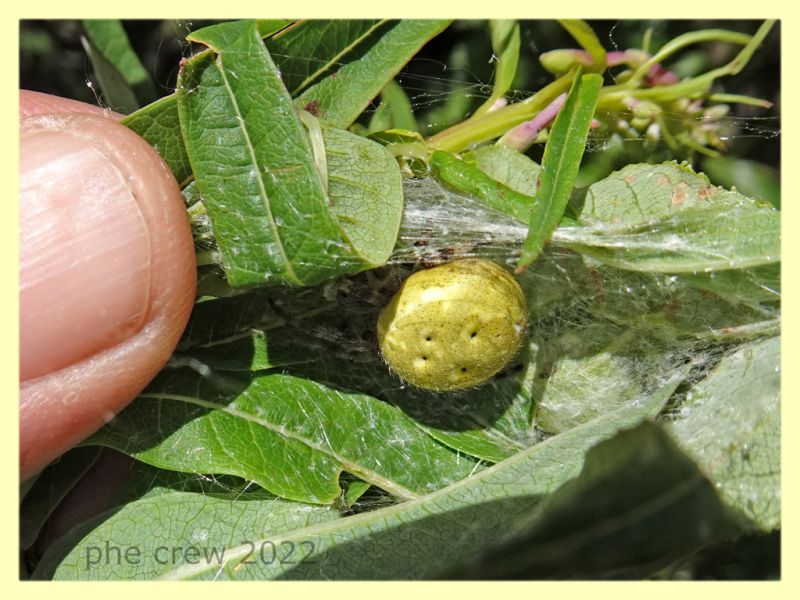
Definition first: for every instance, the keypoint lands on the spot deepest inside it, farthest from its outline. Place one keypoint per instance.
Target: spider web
(584, 315)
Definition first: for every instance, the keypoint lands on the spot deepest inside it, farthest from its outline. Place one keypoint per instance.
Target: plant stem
(612, 97)
(522, 136)
(494, 124)
(682, 41)
(740, 99)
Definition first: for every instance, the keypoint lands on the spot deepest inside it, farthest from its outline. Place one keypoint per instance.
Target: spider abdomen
(453, 326)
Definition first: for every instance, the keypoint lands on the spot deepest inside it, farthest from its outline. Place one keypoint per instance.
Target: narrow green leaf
(341, 97)
(730, 424)
(505, 45)
(587, 38)
(269, 27)
(291, 435)
(466, 177)
(355, 489)
(159, 124)
(115, 92)
(562, 158)
(312, 49)
(109, 41)
(253, 164)
(505, 48)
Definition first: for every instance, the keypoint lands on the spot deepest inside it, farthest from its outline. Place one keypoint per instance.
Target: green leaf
(465, 177)
(269, 27)
(638, 505)
(312, 49)
(310, 340)
(341, 97)
(693, 241)
(224, 320)
(505, 49)
(253, 164)
(730, 424)
(116, 93)
(355, 489)
(158, 123)
(256, 351)
(365, 189)
(666, 218)
(579, 388)
(290, 435)
(493, 422)
(587, 38)
(167, 529)
(505, 45)
(123, 79)
(509, 167)
(415, 539)
(753, 287)
(394, 112)
(644, 192)
(667, 307)
(562, 158)
(490, 422)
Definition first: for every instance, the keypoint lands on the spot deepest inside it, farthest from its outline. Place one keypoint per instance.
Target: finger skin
(59, 409)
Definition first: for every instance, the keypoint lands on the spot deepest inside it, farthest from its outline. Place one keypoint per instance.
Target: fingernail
(84, 250)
